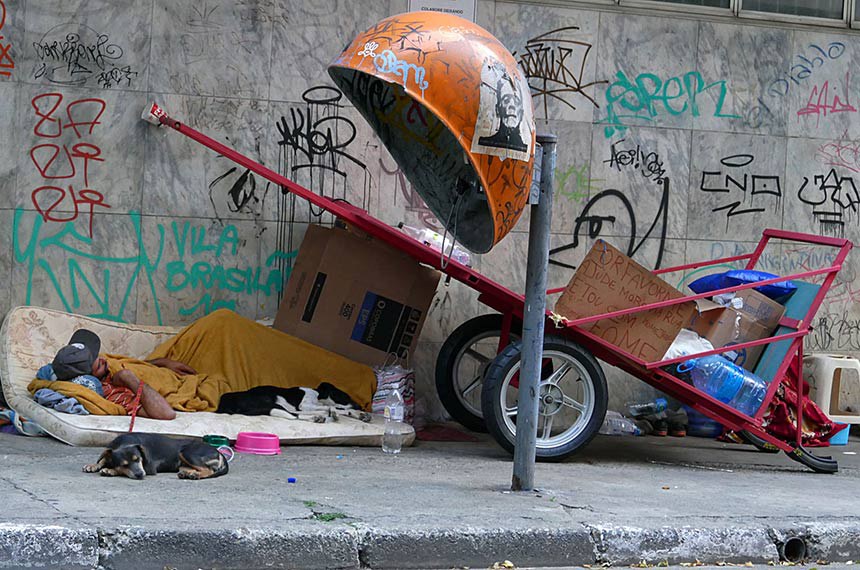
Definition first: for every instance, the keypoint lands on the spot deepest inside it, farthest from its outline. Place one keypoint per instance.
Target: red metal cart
(571, 352)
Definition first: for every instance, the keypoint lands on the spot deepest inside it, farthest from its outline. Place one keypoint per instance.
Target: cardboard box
(606, 281)
(725, 326)
(356, 296)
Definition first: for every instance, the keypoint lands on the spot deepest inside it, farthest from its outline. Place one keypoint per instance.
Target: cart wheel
(462, 364)
(573, 398)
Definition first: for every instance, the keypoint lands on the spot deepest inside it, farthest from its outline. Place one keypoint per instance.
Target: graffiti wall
(679, 140)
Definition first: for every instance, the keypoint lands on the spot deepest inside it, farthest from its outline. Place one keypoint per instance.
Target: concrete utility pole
(534, 318)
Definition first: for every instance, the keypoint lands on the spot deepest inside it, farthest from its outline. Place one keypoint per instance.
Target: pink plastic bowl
(259, 443)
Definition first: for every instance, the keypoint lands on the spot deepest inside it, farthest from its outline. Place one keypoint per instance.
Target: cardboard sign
(606, 281)
(356, 296)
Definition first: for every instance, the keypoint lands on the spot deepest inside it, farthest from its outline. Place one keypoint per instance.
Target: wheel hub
(551, 399)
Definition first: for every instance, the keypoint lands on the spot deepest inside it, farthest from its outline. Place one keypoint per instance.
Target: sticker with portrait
(505, 123)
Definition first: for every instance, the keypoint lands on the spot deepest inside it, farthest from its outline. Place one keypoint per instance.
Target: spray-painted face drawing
(509, 104)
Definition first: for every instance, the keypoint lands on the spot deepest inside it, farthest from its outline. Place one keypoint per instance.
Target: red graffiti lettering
(54, 203)
(37, 130)
(92, 123)
(5, 58)
(86, 199)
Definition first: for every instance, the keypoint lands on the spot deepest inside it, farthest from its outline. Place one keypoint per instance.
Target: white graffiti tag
(387, 62)
(369, 49)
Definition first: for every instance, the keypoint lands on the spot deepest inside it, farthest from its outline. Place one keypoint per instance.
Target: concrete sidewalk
(438, 505)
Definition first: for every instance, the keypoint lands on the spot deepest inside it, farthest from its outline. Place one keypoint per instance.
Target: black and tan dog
(136, 455)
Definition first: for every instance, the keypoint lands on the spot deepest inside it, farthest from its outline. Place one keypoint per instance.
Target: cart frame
(511, 306)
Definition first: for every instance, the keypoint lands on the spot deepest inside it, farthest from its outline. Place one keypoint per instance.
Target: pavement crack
(42, 500)
(567, 507)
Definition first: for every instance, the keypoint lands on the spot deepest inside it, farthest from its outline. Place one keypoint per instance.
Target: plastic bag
(389, 378)
(687, 342)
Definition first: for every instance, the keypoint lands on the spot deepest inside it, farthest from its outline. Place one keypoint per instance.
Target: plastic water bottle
(616, 424)
(655, 407)
(437, 242)
(728, 383)
(392, 437)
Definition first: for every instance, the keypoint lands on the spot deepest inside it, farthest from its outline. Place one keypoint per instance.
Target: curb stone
(626, 545)
(43, 546)
(476, 548)
(144, 549)
(343, 546)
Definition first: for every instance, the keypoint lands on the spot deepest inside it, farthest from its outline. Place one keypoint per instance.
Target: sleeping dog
(324, 404)
(136, 455)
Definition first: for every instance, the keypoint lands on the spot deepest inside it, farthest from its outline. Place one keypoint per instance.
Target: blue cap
(291, 480)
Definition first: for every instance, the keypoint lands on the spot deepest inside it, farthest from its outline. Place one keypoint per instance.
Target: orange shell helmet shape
(454, 110)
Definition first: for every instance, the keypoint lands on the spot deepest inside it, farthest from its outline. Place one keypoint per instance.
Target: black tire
(582, 430)
(447, 367)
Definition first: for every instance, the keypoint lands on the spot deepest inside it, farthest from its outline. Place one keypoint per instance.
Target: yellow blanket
(231, 353)
(90, 400)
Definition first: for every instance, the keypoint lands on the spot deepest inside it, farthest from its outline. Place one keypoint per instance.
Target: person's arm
(153, 405)
(175, 365)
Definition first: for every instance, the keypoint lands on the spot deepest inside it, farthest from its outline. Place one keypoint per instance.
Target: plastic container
(655, 407)
(700, 425)
(841, 438)
(728, 383)
(258, 443)
(216, 440)
(435, 240)
(616, 424)
(392, 437)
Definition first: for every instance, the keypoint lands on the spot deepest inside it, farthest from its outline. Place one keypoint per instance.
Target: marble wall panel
(187, 179)
(556, 48)
(10, 145)
(394, 200)
(310, 34)
(325, 147)
(572, 181)
(219, 48)
(823, 87)
(12, 42)
(204, 265)
(6, 217)
(97, 44)
(645, 60)
(61, 267)
(485, 15)
(78, 152)
(453, 305)
(737, 186)
(428, 408)
(644, 177)
(506, 263)
(738, 65)
(823, 187)
(279, 247)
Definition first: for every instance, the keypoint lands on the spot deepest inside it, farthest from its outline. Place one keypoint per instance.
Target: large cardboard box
(356, 296)
(606, 281)
(725, 326)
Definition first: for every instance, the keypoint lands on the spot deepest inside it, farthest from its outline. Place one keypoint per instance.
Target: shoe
(677, 430)
(661, 428)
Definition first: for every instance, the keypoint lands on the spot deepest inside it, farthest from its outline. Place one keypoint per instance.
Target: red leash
(136, 405)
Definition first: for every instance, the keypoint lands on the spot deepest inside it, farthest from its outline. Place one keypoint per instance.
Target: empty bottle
(392, 437)
(436, 241)
(728, 383)
(655, 407)
(616, 424)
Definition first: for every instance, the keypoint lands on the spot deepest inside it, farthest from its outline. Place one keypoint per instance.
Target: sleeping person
(219, 353)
